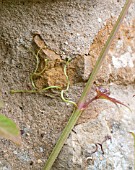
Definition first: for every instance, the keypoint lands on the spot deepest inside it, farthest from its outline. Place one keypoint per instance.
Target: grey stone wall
(69, 28)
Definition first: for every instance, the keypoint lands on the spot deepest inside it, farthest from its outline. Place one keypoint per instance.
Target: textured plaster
(118, 152)
(125, 60)
(68, 28)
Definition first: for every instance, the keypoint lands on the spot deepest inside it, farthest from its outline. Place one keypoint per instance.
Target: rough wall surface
(71, 29)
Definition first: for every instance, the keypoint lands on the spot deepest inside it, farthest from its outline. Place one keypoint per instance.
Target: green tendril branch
(35, 73)
(67, 88)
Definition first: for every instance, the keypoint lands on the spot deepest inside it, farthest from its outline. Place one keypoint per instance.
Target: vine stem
(133, 134)
(76, 113)
(68, 84)
(34, 91)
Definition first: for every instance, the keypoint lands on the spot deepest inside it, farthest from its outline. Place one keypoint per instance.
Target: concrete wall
(76, 29)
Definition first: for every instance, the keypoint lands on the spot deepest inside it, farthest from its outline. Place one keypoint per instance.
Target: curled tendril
(35, 73)
(67, 88)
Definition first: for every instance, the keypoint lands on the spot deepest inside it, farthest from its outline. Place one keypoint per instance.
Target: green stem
(132, 133)
(35, 91)
(134, 152)
(62, 139)
(23, 91)
(68, 84)
(75, 115)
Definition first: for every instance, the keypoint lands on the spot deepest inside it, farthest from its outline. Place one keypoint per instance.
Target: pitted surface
(68, 28)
